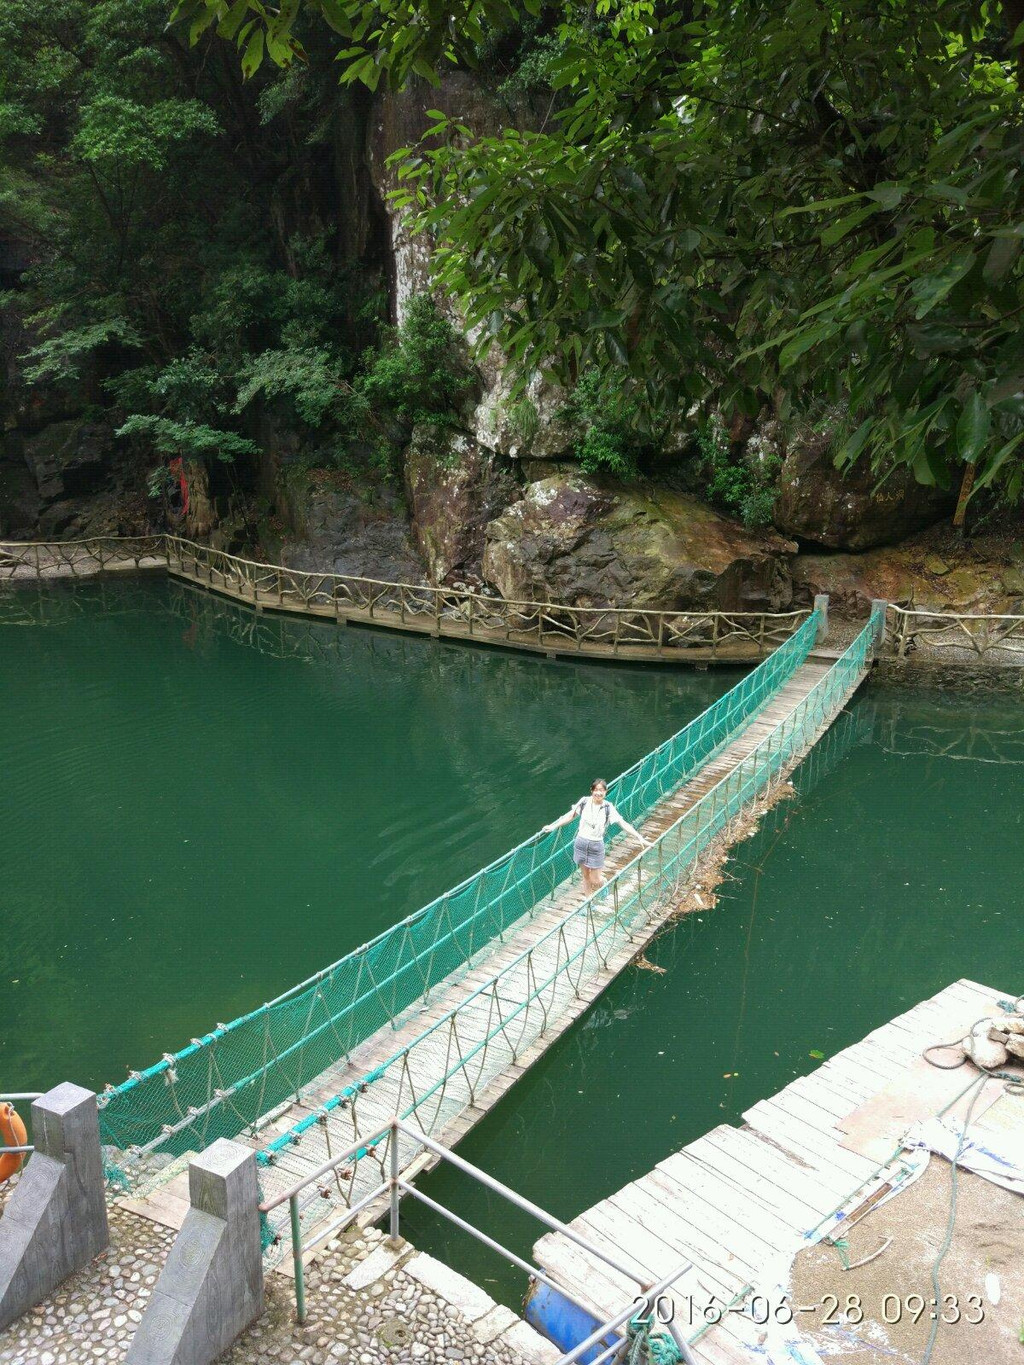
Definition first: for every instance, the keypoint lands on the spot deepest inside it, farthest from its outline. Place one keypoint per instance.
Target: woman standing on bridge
(595, 814)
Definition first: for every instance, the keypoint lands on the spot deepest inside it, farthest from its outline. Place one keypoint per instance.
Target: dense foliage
(198, 266)
(731, 203)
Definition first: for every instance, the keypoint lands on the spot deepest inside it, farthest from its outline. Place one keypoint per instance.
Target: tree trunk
(202, 515)
(966, 484)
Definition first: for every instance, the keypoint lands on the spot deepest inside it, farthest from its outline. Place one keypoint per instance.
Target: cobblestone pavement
(366, 1305)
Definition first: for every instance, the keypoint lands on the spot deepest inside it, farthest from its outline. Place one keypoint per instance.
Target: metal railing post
(396, 1193)
(300, 1280)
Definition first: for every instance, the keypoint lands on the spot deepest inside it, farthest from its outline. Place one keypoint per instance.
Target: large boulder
(571, 540)
(454, 488)
(848, 511)
(69, 459)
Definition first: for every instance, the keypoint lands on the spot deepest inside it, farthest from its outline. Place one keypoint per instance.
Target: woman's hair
(598, 782)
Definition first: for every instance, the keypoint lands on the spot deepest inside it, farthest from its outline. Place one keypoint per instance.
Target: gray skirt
(588, 853)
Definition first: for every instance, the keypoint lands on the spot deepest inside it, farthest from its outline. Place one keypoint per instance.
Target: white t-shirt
(594, 819)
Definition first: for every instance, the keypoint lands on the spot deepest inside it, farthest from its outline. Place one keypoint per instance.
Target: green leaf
(853, 447)
(888, 194)
(972, 429)
(993, 466)
(922, 467)
(615, 348)
(838, 231)
(930, 290)
(793, 350)
(230, 24)
(1000, 258)
(200, 24)
(253, 55)
(820, 206)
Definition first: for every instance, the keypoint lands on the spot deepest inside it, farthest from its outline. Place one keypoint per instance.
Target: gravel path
(366, 1305)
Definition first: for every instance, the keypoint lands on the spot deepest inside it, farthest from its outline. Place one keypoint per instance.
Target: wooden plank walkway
(453, 625)
(483, 1036)
(635, 633)
(738, 1202)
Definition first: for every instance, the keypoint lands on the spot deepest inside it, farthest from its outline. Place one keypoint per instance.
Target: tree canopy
(205, 259)
(728, 204)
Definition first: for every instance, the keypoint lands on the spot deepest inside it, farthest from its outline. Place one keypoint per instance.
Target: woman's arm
(570, 814)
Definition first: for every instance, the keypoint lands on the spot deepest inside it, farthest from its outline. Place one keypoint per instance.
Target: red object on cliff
(177, 468)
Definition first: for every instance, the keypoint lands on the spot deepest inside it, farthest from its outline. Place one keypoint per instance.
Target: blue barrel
(562, 1321)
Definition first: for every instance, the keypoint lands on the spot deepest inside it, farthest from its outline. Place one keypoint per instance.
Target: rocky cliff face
(455, 486)
(496, 499)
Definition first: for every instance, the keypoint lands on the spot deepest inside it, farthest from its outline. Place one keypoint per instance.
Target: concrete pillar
(211, 1287)
(821, 605)
(55, 1221)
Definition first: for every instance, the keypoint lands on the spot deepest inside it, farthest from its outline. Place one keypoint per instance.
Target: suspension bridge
(436, 1018)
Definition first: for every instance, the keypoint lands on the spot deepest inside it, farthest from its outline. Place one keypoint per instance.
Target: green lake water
(200, 807)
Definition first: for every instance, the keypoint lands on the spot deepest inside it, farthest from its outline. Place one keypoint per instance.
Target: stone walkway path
(366, 1305)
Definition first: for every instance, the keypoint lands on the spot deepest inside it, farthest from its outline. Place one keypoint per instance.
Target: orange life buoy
(12, 1134)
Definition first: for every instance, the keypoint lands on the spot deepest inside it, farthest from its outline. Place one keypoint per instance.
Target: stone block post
(821, 605)
(211, 1287)
(55, 1221)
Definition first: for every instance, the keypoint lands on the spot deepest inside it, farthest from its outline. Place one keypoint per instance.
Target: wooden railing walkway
(956, 636)
(630, 633)
(641, 633)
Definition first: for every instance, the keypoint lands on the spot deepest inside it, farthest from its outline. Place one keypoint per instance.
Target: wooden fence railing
(625, 631)
(79, 558)
(616, 632)
(956, 636)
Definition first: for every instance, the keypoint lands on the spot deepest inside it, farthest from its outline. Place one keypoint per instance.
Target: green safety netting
(223, 1082)
(428, 1081)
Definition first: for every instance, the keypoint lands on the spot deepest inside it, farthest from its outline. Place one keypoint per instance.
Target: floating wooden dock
(740, 1202)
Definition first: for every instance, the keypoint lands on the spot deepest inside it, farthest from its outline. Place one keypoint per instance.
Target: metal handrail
(10, 1097)
(395, 1186)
